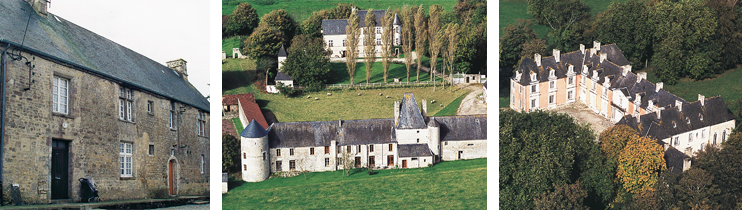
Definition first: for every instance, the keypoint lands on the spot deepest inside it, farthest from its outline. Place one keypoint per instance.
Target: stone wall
(470, 149)
(93, 129)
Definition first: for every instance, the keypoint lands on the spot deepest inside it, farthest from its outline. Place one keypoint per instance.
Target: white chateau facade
(334, 34)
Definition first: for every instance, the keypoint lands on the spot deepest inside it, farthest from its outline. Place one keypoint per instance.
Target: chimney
(626, 70)
(702, 99)
(596, 45)
(593, 51)
(571, 69)
(179, 66)
(425, 108)
(659, 111)
(340, 122)
(39, 6)
(640, 76)
(582, 48)
(638, 99)
(396, 112)
(584, 69)
(537, 58)
(555, 52)
(658, 86)
(679, 105)
(638, 119)
(602, 57)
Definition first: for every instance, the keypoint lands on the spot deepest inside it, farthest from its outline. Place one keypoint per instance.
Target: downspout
(2, 119)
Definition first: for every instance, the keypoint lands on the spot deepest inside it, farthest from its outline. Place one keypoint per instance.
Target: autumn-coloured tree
(352, 37)
(566, 196)
(614, 139)
(369, 42)
(407, 39)
(420, 37)
(387, 38)
(434, 25)
(639, 164)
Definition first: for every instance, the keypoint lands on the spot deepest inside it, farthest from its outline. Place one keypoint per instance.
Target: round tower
(435, 140)
(254, 153)
(396, 26)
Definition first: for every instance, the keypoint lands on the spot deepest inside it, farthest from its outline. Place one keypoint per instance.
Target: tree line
(692, 38)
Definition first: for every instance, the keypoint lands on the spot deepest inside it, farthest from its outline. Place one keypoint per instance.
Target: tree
(281, 21)
(312, 26)
(407, 39)
(532, 47)
(725, 165)
(263, 42)
(639, 164)
(420, 37)
(434, 26)
(695, 189)
(230, 152)
(307, 61)
(352, 37)
(614, 139)
(566, 196)
(369, 42)
(387, 40)
(561, 16)
(347, 160)
(453, 42)
(243, 20)
(728, 38)
(635, 39)
(513, 37)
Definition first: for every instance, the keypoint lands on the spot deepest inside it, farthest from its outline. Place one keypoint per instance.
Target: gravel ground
(471, 105)
(583, 114)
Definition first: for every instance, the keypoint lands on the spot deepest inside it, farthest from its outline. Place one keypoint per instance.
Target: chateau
(334, 34)
(410, 140)
(75, 104)
(601, 78)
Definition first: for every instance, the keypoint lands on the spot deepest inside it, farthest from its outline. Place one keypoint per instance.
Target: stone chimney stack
(679, 105)
(396, 112)
(556, 55)
(658, 86)
(39, 6)
(582, 48)
(702, 99)
(596, 45)
(626, 70)
(640, 76)
(179, 66)
(537, 58)
(593, 51)
(659, 112)
(603, 57)
(424, 111)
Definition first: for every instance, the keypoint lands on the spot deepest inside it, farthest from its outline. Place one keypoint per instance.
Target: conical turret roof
(254, 130)
(396, 20)
(281, 52)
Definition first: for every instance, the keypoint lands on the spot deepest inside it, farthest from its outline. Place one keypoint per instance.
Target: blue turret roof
(254, 130)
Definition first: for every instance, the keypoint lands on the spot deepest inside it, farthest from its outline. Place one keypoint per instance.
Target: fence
(383, 84)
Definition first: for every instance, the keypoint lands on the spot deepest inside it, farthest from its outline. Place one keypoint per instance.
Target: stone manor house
(410, 140)
(75, 104)
(334, 34)
(601, 78)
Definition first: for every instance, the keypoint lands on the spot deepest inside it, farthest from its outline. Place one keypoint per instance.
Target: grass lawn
(727, 85)
(302, 9)
(449, 185)
(451, 108)
(231, 42)
(238, 125)
(340, 74)
(504, 102)
(512, 10)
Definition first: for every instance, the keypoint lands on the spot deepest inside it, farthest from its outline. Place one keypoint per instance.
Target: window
(172, 116)
(690, 137)
(244, 167)
(150, 106)
(292, 165)
(552, 84)
(595, 84)
(125, 102)
(348, 148)
(327, 162)
(396, 40)
(359, 148)
(151, 149)
(723, 136)
(201, 123)
(390, 147)
(533, 103)
(533, 88)
(278, 165)
(390, 160)
(371, 161)
(570, 80)
(60, 95)
(263, 155)
(677, 141)
(371, 148)
(329, 43)
(414, 158)
(291, 152)
(125, 151)
(702, 147)
(327, 149)
(202, 164)
(714, 138)
(378, 30)
(311, 151)
(278, 152)
(569, 95)
(244, 155)
(344, 41)
(378, 41)
(551, 99)
(703, 134)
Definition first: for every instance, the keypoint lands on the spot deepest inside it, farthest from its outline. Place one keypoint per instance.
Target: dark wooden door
(358, 162)
(170, 182)
(59, 173)
(404, 163)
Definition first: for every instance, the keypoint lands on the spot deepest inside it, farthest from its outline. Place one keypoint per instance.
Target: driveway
(471, 105)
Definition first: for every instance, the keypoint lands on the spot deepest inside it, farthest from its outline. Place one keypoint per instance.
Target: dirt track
(471, 105)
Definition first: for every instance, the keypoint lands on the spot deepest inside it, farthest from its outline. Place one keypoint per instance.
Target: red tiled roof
(232, 99)
(252, 112)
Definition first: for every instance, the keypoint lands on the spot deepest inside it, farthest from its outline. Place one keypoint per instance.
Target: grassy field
(451, 108)
(448, 185)
(343, 104)
(341, 76)
(302, 9)
(231, 42)
(726, 85)
(238, 125)
(504, 102)
(511, 10)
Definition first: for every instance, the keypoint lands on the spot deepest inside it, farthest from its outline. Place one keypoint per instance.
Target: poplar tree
(387, 38)
(407, 39)
(369, 42)
(453, 39)
(434, 25)
(352, 43)
(420, 36)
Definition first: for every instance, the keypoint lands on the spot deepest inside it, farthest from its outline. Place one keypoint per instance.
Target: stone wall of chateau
(416, 162)
(304, 160)
(94, 132)
(469, 149)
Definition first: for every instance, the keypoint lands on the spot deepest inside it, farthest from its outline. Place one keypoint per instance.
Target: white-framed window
(569, 95)
(378, 30)
(552, 99)
(571, 80)
(677, 141)
(203, 162)
(60, 95)
(533, 103)
(329, 43)
(126, 101)
(552, 84)
(344, 41)
(723, 136)
(690, 137)
(172, 119)
(378, 41)
(201, 123)
(396, 40)
(534, 89)
(125, 152)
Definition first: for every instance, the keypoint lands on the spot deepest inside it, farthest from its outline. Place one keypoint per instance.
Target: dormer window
(687, 120)
(551, 74)
(700, 116)
(674, 125)
(533, 77)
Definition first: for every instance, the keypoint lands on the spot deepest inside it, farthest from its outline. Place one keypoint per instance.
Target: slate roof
(283, 76)
(396, 22)
(462, 127)
(61, 40)
(321, 133)
(414, 150)
(673, 122)
(282, 52)
(253, 130)
(337, 27)
(409, 114)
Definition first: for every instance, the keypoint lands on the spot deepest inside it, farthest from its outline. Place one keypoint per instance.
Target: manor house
(601, 78)
(410, 140)
(75, 104)
(334, 34)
